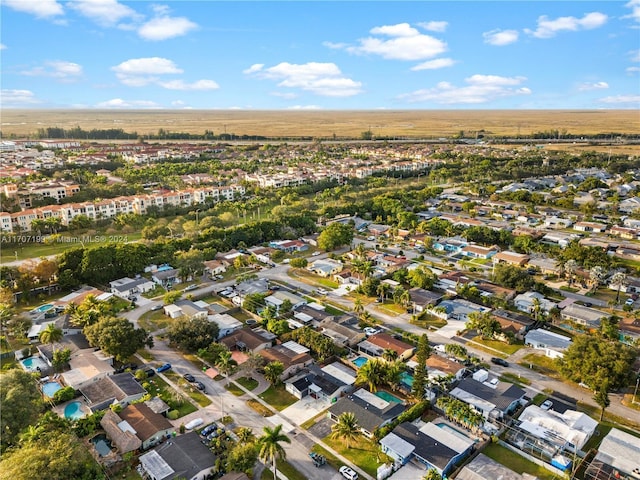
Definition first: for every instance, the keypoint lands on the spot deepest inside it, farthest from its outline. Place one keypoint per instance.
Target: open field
(326, 124)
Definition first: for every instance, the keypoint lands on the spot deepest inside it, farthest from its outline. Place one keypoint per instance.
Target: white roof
(224, 320)
(104, 296)
(303, 317)
(398, 445)
(295, 347)
(559, 428)
(455, 442)
(169, 309)
(317, 306)
(372, 399)
(340, 372)
(621, 450)
(124, 426)
(550, 339)
(155, 465)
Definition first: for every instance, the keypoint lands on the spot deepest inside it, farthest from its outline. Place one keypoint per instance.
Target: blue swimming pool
(358, 362)
(387, 396)
(407, 379)
(102, 444)
(34, 363)
(44, 308)
(73, 411)
(455, 431)
(50, 388)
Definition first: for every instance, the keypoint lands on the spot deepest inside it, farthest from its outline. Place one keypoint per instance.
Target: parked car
(156, 307)
(629, 301)
(164, 368)
(348, 473)
(546, 405)
(208, 429)
(191, 287)
(200, 386)
(499, 361)
(315, 254)
(370, 331)
(150, 372)
(195, 423)
(127, 366)
(322, 291)
(188, 377)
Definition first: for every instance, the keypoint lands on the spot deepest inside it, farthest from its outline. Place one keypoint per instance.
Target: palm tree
(372, 374)
(360, 251)
(245, 435)
(597, 274)
(225, 363)
(393, 374)
(536, 308)
(272, 372)
(51, 334)
(389, 354)
(358, 307)
(269, 446)
(618, 280)
(570, 267)
(366, 269)
(405, 298)
(346, 429)
(382, 290)
(432, 474)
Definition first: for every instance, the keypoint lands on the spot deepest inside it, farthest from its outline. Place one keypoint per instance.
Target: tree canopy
(118, 337)
(21, 405)
(335, 235)
(590, 359)
(193, 334)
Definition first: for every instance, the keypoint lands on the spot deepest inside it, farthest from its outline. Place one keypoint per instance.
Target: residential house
(167, 277)
(191, 309)
(493, 399)
(214, 267)
(449, 282)
(514, 323)
(582, 315)
(590, 227)
(127, 287)
(289, 246)
(311, 313)
(135, 427)
(629, 205)
(391, 263)
(546, 266)
(478, 251)
(226, 324)
(120, 388)
(183, 457)
(344, 330)
(262, 254)
(552, 343)
(325, 267)
(86, 367)
(511, 258)
(458, 309)
(375, 345)
(488, 289)
(371, 411)
(617, 457)
(247, 340)
(248, 287)
(450, 245)
(625, 232)
(228, 258)
(526, 302)
(277, 299)
(292, 355)
(421, 298)
(557, 222)
(569, 430)
(326, 384)
(435, 447)
(378, 230)
(484, 468)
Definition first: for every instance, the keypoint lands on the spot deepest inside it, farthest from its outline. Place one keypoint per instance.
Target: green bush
(173, 414)
(64, 395)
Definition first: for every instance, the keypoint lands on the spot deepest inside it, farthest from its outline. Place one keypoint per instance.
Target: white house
(552, 343)
(525, 302)
(226, 324)
(569, 430)
(127, 287)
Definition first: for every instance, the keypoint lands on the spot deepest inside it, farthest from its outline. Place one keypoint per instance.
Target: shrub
(173, 414)
(64, 395)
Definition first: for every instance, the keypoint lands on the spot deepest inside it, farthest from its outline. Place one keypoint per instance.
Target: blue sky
(258, 55)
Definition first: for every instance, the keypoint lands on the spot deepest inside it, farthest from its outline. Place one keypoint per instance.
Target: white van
(195, 423)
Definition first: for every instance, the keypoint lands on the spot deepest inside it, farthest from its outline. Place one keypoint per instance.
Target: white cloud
(65, 71)
(584, 87)
(165, 27)
(253, 68)
(305, 107)
(434, 26)
(500, 38)
(480, 89)
(138, 72)
(195, 86)
(3, 46)
(39, 8)
(635, 54)
(335, 45)
(105, 13)
(286, 95)
(634, 5)
(632, 70)
(434, 64)
(630, 101)
(17, 98)
(120, 103)
(549, 28)
(406, 43)
(323, 79)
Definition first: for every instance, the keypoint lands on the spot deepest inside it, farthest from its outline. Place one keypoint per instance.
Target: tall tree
(269, 448)
(51, 334)
(21, 405)
(272, 372)
(346, 429)
(618, 280)
(225, 363)
(420, 373)
(193, 334)
(601, 397)
(117, 336)
(372, 374)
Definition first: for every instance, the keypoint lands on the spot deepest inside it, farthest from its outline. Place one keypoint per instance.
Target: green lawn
(513, 378)
(153, 321)
(541, 364)
(284, 467)
(233, 388)
(426, 320)
(258, 407)
(62, 243)
(278, 397)
(158, 387)
(392, 308)
(247, 382)
(505, 348)
(364, 453)
(307, 277)
(193, 393)
(516, 462)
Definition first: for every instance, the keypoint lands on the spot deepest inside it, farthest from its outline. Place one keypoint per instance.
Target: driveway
(322, 428)
(305, 409)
